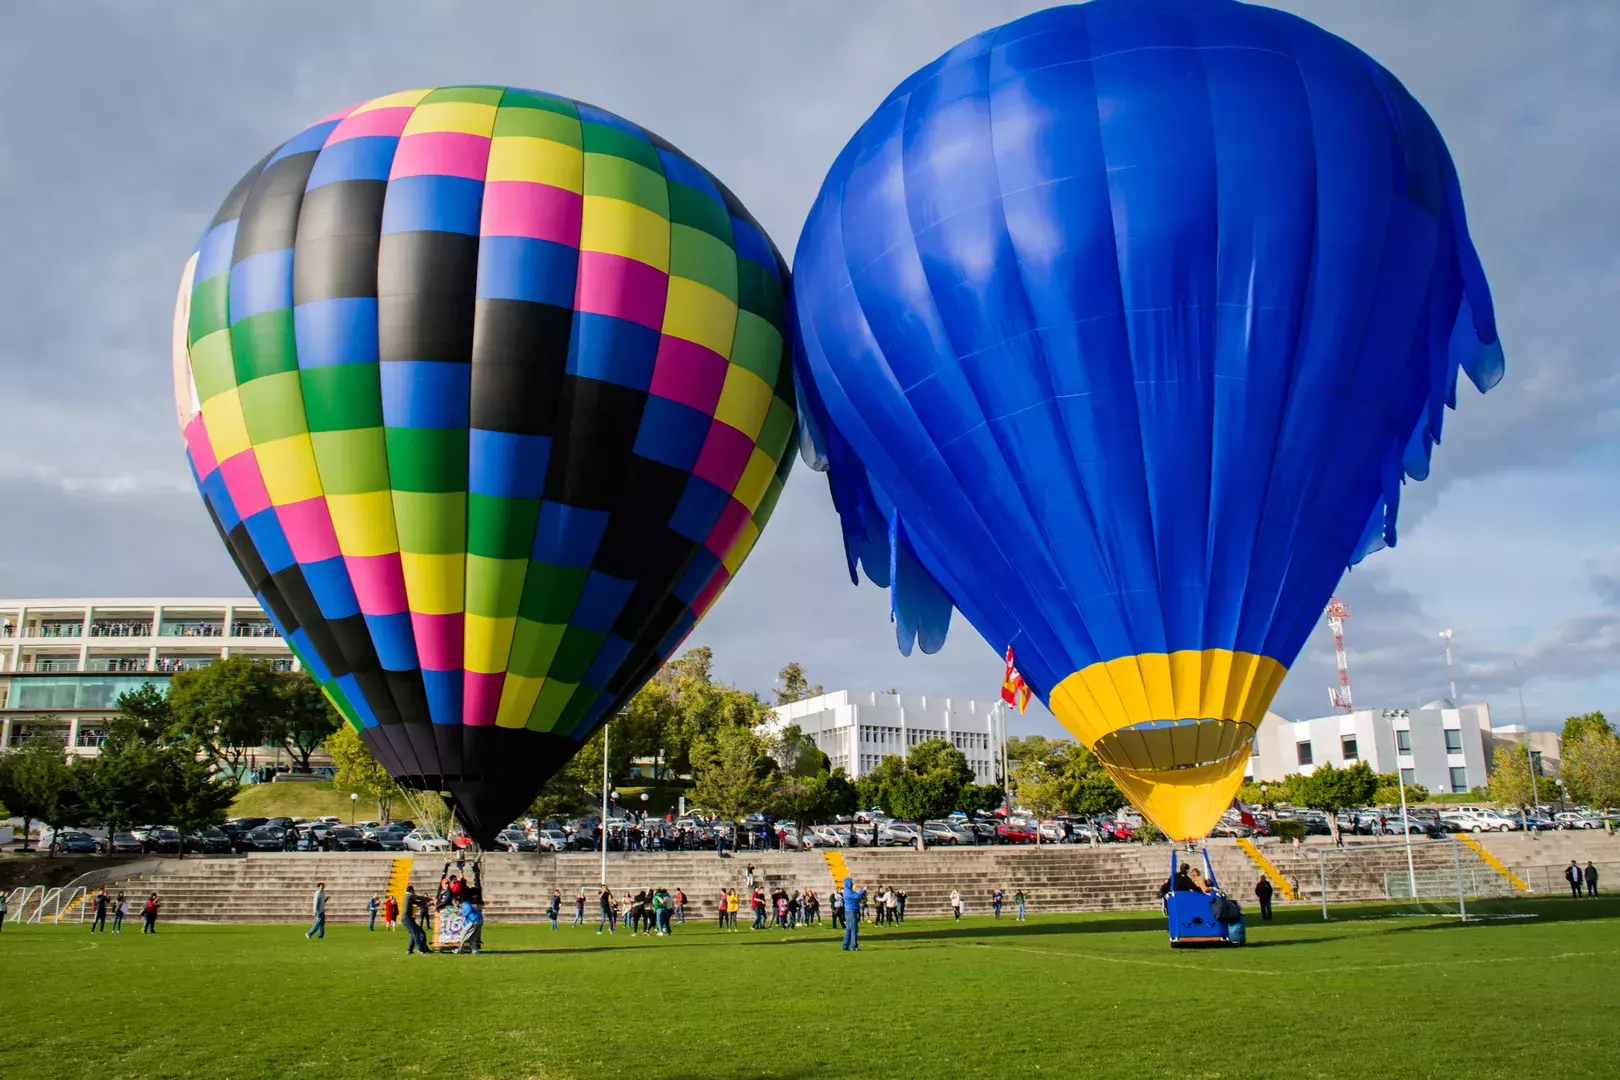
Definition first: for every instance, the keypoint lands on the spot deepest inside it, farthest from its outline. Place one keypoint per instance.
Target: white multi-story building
(1441, 746)
(857, 729)
(64, 662)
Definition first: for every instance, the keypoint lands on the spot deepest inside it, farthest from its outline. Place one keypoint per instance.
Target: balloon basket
(1194, 916)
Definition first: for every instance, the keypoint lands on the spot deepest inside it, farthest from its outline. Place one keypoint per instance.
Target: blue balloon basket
(1192, 915)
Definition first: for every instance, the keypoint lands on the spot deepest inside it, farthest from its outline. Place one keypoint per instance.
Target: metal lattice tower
(1337, 612)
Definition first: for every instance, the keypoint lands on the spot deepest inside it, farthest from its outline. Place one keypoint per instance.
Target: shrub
(1286, 829)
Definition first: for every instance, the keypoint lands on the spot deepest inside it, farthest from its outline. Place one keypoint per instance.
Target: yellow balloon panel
(1173, 729)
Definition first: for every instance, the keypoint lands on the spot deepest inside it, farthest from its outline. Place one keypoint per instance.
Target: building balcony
(251, 628)
(121, 628)
(192, 628)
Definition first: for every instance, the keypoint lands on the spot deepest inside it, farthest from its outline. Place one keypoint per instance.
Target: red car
(1013, 833)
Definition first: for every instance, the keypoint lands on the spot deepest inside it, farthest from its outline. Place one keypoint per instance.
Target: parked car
(164, 841)
(122, 843)
(208, 842)
(425, 840)
(940, 832)
(344, 838)
(1012, 832)
(898, 834)
(516, 840)
(1577, 819)
(70, 841)
(830, 836)
(264, 838)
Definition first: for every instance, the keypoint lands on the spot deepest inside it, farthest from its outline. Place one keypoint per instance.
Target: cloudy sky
(124, 124)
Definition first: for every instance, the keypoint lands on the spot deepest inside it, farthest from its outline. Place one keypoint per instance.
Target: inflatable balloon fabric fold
(487, 393)
(1119, 328)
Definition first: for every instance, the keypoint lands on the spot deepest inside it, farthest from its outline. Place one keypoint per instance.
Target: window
(1347, 744)
(1459, 777)
(1408, 777)
(1403, 741)
(1304, 751)
(1453, 741)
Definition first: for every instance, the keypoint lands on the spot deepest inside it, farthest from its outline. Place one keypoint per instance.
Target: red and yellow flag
(1014, 691)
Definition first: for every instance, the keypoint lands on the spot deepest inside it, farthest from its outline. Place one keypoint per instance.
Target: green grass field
(1094, 996)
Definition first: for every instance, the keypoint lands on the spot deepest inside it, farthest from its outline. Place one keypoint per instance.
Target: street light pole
(605, 728)
(1529, 758)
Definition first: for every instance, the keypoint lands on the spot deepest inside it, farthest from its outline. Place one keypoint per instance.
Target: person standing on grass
(318, 906)
(956, 904)
(1591, 878)
(2, 910)
(555, 907)
(390, 912)
(900, 905)
(1018, 901)
(680, 905)
(372, 907)
(604, 900)
(149, 914)
(120, 909)
(1574, 877)
(99, 921)
(733, 905)
(725, 901)
(414, 905)
(850, 900)
(995, 902)
(579, 906)
(837, 909)
(1262, 893)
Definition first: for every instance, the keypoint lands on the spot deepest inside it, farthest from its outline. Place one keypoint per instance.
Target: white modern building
(857, 729)
(1441, 746)
(64, 662)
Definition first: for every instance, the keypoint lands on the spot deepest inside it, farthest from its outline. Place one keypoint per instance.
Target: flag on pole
(1245, 815)
(1014, 691)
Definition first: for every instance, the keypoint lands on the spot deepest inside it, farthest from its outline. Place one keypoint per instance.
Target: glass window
(1459, 778)
(1304, 751)
(1408, 777)
(1403, 741)
(84, 691)
(1453, 741)
(1347, 744)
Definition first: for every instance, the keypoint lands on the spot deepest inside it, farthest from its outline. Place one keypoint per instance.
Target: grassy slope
(306, 799)
(1098, 996)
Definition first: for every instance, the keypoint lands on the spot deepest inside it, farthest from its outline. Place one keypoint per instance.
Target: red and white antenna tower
(1336, 614)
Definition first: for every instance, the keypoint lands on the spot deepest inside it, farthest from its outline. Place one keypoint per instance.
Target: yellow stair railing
(399, 876)
(1493, 862)
(836, 866)
(1273, 875)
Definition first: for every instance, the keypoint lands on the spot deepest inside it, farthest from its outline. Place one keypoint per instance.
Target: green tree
(791, 685)
(726, 771)
(358, 771)
(702, 705)
(225, 709)
(922, 796)
(1022, 749)
(303, 717)
(143, 716)
(797, 754)
(1389, 791)
(874, 788)
(812, 800)
(196, 793)
(1593, 769)
(123, 786)
(38, 784)
(981, 799)
(1582, 733)
(1066, 777)
(1510, 782)
(1330, 790)
(576, 788)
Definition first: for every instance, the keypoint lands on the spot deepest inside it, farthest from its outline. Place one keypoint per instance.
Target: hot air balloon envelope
(1118, 329)
(487, 392)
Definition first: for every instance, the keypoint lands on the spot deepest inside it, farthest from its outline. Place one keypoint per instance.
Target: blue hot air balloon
(1119, 328)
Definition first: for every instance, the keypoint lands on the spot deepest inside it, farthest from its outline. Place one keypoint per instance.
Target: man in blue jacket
(851, 899)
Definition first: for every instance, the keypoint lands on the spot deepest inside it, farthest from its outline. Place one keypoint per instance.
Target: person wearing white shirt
(318, 927)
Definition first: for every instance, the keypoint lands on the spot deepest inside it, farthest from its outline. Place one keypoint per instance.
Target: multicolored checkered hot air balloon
(486, 391)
